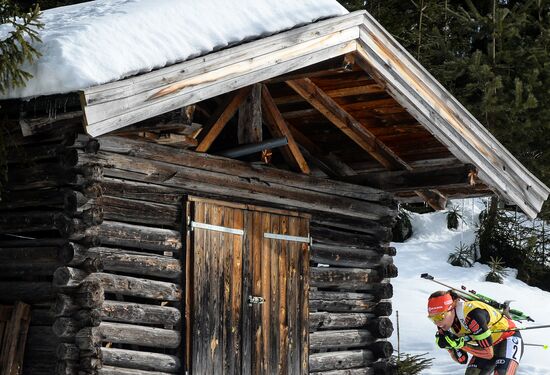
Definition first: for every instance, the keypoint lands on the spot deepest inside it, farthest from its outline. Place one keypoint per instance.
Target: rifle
(472, 295)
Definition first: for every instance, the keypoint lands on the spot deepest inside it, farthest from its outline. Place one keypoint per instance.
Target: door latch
(255, 300)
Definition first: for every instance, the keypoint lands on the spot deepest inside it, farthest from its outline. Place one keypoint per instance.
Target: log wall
(91, 236)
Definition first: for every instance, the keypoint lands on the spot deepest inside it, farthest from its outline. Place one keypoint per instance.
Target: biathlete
(475, 328)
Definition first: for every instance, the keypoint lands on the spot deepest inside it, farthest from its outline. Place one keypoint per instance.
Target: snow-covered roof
(92, 43)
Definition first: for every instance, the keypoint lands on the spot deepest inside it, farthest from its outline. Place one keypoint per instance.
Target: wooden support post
(13, 337)
(220, 119)
(249, 128)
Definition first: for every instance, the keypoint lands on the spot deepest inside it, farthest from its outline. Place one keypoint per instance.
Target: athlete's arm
(477, 322)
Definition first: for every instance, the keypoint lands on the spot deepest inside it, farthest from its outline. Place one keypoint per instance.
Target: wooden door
(247, 300)
(280, 265)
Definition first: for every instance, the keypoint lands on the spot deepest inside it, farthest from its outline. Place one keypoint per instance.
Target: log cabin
(231, 212)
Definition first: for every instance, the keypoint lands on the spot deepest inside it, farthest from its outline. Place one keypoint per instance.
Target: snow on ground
(427, 251)
(105, 40)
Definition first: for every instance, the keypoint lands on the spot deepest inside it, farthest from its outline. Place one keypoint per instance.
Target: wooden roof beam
(359, 134)
(423, 179)
(370, 88)
(433, 198)
(327, 162)
(337, 65)
(220, 118)
(279, 128)
(345, 122)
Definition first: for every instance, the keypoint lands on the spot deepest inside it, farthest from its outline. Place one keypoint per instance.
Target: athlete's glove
(447, 340)
(459, 356)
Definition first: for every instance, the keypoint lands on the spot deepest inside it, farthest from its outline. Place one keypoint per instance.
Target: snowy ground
(427, 251)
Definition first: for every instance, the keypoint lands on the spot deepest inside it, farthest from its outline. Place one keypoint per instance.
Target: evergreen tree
(16, 45)
(493, 55)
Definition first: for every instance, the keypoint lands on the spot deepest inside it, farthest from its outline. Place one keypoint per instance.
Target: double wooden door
(247, 293)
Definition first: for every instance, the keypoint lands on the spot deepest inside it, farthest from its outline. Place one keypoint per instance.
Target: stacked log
(39, 202)
(348, 299)
(106, 217)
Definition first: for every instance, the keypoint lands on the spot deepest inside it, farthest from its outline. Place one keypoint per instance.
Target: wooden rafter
(221, 117)
(327, 162)
(345, 122)
(419, 179)
(367, 88)
(278, 128)
(359, 134)
(434, 198)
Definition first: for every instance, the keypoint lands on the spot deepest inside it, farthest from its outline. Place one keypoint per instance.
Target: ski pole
(521, 329)
(545, 347)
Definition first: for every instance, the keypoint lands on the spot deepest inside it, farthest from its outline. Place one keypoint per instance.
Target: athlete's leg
(480, 366)
(508, 354)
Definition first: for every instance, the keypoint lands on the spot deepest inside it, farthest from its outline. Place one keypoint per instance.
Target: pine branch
(19, 47)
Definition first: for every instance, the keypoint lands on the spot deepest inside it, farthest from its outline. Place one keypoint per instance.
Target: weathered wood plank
(111, 370)
(342, 301)
(351, 371)
(349, 338)
(111, 116)
(377, 326)
(370, 238)
(63, 199)
(133, 236)
(223, 76)
(220, 164)
(33, 126)
(68, 277)
(340, 360)
(127, 261)
(140, 360)
(352, 278)
(221, 183)
(139, 313)
(140, 191)
(139, 212)
(88, 338)
(346, 256)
